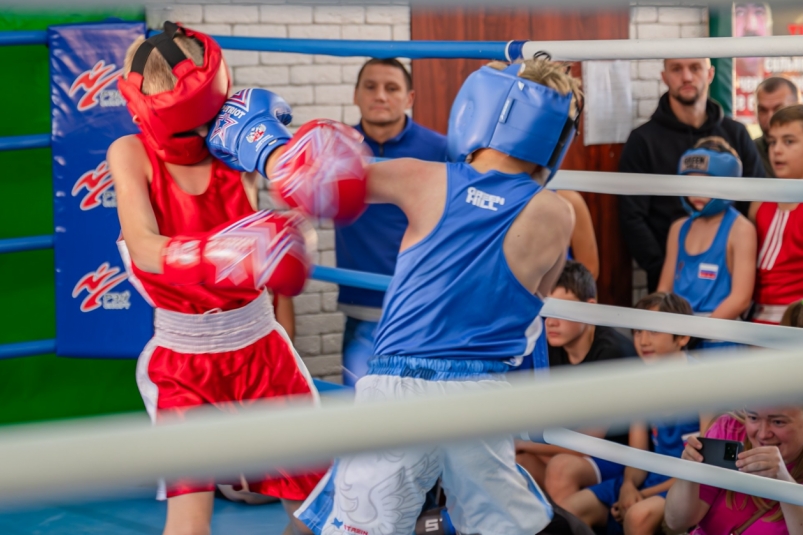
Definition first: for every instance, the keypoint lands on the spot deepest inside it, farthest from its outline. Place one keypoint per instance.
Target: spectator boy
(684, 115)
(780, 225)
(572, 343)
(383, 92)
(772, 94)
(633, 503)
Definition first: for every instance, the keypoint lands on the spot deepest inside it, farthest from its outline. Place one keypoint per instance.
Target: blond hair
(157, 76)
(549, 73)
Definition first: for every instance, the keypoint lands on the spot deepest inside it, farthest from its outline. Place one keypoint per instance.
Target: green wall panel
(719, 25)
(42, 387)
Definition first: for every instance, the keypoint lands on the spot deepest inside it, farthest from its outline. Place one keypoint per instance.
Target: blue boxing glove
(248, 128)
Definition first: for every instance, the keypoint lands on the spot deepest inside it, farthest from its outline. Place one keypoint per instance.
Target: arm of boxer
(265, 249)
(415, 186)
(667, 281)
(251, 187)
(584, 240)
(129, 167)
(536, 257)
(741, 257)
(248, 128)
(286, 315)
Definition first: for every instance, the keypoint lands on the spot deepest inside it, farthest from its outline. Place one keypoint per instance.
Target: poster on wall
(756, 19)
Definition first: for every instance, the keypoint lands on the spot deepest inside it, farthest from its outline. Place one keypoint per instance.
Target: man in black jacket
(684, 115)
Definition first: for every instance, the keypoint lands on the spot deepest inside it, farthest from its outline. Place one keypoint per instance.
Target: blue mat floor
(140, 515)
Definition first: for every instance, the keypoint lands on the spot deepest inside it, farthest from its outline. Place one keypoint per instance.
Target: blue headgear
(499, 110)
(712, 163)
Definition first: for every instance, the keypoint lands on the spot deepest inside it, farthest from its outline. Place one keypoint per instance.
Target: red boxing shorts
(228, 360)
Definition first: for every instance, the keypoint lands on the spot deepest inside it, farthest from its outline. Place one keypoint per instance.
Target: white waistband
(215, 332)
(769, 313)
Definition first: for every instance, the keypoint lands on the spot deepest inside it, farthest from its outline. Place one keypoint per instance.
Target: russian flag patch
(708, 271)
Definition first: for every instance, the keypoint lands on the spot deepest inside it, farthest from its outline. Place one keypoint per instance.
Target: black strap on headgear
(162, 42)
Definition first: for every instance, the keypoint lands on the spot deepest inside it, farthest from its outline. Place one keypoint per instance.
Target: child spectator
(773, 440)
(710, 255)
(634, 501)
(572, 343)
(780, 225)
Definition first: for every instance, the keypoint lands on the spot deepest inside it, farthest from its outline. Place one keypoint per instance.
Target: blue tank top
(704, 279)
(453, 294)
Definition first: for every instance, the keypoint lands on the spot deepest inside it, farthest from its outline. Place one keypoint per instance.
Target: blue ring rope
(375, 49)
(34, 141)
(34, 37)
(501, 50)
(27, 349)
(28, 243)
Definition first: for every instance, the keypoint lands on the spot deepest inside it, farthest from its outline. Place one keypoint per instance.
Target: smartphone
(720, 452)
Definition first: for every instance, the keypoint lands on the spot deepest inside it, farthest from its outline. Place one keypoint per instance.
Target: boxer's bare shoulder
(538, 238)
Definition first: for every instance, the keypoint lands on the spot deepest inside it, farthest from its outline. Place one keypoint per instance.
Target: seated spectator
(584, 241)
(383, 92)
(633, 503)
(780, 225)
(573, 343)
(773, 440)
(711, 255)
(773, 94)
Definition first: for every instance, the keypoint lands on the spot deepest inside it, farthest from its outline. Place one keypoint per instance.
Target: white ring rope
(756, 334)
(732, 188)
(722, 478)
(90, 456)
(710, 47)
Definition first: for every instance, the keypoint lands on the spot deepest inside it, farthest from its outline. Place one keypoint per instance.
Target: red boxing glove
(266, 249)
(323, 172)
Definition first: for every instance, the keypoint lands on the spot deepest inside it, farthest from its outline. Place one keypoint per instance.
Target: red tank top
(178, 212)
(780, 255)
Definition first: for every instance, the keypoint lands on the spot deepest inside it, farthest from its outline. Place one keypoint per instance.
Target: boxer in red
(780, 225)
(204, 258)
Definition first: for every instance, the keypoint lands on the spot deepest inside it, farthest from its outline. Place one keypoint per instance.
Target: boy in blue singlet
(711, 255)
(632, 503)
(485, 241)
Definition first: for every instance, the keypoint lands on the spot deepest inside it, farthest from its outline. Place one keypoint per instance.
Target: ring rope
(755, 334)
(93, 455)
(731, 188)
(751, 484)
(710, 47)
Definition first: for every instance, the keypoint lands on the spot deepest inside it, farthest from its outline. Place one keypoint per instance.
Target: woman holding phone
(773, 440)
(773, 447)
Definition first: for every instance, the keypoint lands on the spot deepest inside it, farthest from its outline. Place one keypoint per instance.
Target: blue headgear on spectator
(712, 163)
(502, 111)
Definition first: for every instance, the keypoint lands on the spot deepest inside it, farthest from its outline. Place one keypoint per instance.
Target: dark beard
(687, 101)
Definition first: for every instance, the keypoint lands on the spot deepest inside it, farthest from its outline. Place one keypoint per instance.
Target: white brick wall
(659, 22)
(316, 86)
(656, 22)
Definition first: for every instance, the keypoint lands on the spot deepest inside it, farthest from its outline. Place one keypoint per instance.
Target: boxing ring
(85, 457)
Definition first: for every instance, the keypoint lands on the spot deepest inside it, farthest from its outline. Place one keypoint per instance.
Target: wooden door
(437, 81)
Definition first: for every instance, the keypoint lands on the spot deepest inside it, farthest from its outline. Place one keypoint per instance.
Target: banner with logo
(98, 311)
(758, 19)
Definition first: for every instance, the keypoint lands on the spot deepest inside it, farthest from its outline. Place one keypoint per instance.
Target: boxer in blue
(485, 241)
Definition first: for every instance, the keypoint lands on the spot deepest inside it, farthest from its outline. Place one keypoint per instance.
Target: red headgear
(199, 93)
